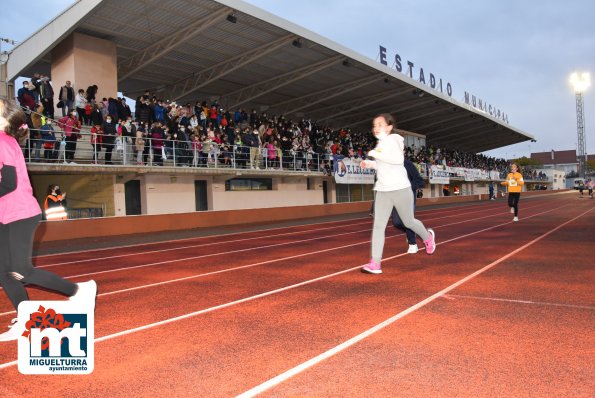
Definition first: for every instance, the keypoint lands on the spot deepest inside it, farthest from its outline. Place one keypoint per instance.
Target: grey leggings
(402, 201)
(16, 245)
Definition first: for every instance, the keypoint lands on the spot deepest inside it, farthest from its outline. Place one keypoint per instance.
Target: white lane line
(278, 244)
(194, 238)
(211, 309)
(198, 244)
(333, 351)
(543, 303)
(285, 288)
(274, 260)
(346, 221)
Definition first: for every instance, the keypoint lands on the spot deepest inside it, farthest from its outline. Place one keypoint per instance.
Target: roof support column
(6, 87)
(85, 61)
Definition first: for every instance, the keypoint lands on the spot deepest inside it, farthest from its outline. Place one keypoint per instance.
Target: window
(354, 192)
(249, 184)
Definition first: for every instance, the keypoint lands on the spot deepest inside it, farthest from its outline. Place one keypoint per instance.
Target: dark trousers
(109, 147)
(70, 148)
(48, 107)
(83, 117)
(397, 223)
(16, 246)
(513, 201)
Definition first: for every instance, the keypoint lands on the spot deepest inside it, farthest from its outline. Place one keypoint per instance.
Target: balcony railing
(163, 152)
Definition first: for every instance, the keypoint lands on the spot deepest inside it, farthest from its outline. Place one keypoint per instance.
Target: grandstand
(239, 58)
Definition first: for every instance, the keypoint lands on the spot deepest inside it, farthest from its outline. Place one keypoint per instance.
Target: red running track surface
(501, 309)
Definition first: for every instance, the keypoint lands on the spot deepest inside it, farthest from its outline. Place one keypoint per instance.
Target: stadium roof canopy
(189, 50)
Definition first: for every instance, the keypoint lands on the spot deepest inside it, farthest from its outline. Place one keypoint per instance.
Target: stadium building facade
(240, 57)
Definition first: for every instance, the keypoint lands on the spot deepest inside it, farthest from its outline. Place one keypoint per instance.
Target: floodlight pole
(580, 131)
(580, 83)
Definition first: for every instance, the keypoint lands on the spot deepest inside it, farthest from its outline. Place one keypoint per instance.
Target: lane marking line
(285, 288)
(199, 244)
(448, 210)
(333, 351)
(275, 260)
(543, 303)
(285, 243)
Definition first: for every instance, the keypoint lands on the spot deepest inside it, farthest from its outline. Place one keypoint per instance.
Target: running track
(501, 309)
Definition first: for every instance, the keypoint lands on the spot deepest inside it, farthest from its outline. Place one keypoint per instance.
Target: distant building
(557, 178)
(560, 160)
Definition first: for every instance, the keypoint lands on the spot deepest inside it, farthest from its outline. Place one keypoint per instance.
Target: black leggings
(16, 246)
(513, 201)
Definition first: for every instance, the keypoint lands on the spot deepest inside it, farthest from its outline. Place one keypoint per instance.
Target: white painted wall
(163, 194)
(168, 194)
(285, 192)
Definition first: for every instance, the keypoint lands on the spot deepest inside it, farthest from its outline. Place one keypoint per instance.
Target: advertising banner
(348, 171)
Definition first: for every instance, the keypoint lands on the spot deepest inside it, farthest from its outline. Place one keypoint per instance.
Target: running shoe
(512, 210)
(15, 329)
(515, 219)
(412, 249)
(431, 242)
(86, 292)
(372, 267)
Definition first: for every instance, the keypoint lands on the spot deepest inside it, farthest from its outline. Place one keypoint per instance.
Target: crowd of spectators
(206, 132)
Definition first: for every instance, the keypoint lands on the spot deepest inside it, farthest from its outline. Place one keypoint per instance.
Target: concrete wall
(175, 193)
(162, 194)
(286, 192)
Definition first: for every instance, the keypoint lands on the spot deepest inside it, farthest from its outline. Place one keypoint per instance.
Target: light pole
(580, 83)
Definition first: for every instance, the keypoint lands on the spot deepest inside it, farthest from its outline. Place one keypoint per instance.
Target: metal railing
(81, 148)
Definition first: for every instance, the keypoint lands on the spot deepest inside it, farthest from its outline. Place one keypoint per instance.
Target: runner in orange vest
(514, 183)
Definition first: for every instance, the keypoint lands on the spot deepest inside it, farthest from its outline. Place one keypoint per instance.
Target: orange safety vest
(55, 211)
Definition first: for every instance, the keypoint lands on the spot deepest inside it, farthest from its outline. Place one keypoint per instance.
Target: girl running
(514, 183)
(19, 216)
(393, 189)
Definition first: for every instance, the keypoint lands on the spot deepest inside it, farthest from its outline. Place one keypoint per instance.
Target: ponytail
(16, 120)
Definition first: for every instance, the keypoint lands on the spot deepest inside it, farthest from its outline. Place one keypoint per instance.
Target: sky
(516, 55)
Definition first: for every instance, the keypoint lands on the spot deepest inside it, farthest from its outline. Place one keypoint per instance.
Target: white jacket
(391, 174)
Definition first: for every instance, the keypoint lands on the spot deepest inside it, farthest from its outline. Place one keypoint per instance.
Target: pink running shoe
(372, 267)
(431, 242)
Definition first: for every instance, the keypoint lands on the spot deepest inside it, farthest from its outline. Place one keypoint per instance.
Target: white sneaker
(512, 210)
(412, 249)
(86, 292)
(15, 330)
(515, 219)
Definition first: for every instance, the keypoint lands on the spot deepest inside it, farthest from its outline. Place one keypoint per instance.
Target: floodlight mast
(580, 83)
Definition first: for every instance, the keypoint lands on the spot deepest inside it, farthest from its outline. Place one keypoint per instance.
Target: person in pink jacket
(19, 215)
(273, 159)
(72, 128)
